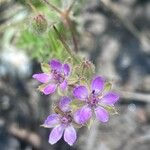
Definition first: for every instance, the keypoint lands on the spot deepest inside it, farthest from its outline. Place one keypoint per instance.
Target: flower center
(93, 99)
(67, 119)
(58, 77)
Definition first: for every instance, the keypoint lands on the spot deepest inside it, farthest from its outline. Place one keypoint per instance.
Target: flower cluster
(82, 103)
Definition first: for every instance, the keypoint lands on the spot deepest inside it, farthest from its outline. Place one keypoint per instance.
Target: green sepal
(41, 87)
(111, 109)
(107, 87)
(90, 123)
(61, 92)
(84, 81)
(69, 60)
(77, 70)
(76, 125)
(76, 104)
(88, 70)
(84, 71)
(45, 67)
(72, 80)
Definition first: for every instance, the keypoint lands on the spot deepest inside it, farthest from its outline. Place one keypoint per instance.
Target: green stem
(32, 6)
(52, 6)
(66, 46)
(71, 6)
(73, 35)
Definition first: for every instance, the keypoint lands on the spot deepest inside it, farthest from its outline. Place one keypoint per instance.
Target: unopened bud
(88, 68)
(39, 24)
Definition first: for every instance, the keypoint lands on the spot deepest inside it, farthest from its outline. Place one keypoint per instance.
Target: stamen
(93, 91)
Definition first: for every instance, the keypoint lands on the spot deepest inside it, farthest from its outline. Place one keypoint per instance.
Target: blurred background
(113, 34)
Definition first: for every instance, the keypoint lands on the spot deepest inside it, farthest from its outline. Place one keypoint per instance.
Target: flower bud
(88, 69)
(39, 24)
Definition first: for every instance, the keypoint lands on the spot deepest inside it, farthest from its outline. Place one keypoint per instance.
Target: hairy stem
(71, 6)
(73, 35)
(65, 45)
(32, 6)
(52, 6)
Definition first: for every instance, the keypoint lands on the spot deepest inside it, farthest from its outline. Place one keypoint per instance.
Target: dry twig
(26, 135)
(134, 96)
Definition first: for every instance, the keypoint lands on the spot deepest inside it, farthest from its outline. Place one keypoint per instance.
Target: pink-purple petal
(66, 69)
(70, 135)
(56, 134)
(56, 65)
(77, 117)
(42, 77)
(85, 114)
(51, 121)
(49, 89)
(97, 84)
(110, 98)
(64, 104)
(101, 114)
(80, 92)
(63, 85)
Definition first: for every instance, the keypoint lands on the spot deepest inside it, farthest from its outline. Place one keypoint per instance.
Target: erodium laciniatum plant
(83, 97)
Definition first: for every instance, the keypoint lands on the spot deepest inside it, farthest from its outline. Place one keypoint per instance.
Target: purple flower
(95, 100)
(61, 122)
(56, 77)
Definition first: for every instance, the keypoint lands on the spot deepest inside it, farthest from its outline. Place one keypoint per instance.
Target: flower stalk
(70, 52)
(65, 17)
